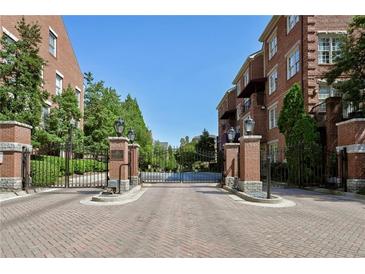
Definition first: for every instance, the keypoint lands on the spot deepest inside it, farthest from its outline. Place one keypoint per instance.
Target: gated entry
(180, 165)
(68, 166)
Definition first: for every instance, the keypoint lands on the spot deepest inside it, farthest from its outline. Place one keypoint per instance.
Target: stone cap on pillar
(15, 123)
(250, 138)
(231, 145)
(118, 139)
(134, 145)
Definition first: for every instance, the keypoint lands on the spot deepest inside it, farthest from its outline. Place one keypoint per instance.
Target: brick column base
(351, 135)
(14, 137)
(118, 163)
(250, 164)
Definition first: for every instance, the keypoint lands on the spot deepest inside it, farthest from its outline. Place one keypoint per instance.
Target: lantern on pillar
(119, 126)
(231, 134)
(249, 125)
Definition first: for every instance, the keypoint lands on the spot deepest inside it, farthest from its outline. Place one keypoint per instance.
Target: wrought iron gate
(180, 165)
(304, 166)
(67, 165)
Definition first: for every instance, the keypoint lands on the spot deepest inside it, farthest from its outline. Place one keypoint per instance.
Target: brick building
(62, 68)
(227, 115)
(295, 49)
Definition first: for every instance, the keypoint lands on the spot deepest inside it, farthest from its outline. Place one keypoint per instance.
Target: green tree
(350, 63)
(102, 108)
(292, 111)
(21, 95)
(301, 136)
(59, 121)
(206, 143)
(132, 115)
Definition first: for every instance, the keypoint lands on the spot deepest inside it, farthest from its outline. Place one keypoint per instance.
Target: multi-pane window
(325, 91)
(52, 43)
(246, 104)
(328, 49)
(293, 63)
(272, 117)
(291, 20)
(44, 115)
(273, 151)
(273, 46)
(273, 81)
(78, 95)
(246, 78)
(59, 81)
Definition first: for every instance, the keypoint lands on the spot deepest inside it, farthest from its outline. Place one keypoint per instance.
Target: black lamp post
(119, 126)
(231, 134)
(131, 135)
(249, 125)
(69, 151)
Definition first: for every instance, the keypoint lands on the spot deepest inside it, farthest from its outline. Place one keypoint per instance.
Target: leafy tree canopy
(350, 63)
(103, 106)
(296, 125)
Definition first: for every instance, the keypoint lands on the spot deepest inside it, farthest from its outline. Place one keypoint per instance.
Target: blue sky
(178, 67)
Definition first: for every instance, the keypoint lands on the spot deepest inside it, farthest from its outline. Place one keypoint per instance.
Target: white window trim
(329, 36)
(331, 32)
(60, 74)
(272, 106)
(8, 33)
(268, 76)
(272, 35)
(287, 23)
(273, 141)
(48, 103)
(55, 46)
(79, 90)
(54, 33)
(287, 55)
(247, 72)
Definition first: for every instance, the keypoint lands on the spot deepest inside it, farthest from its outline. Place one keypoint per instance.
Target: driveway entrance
(181, 220)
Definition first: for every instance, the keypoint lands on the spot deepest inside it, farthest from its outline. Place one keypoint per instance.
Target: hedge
(46, 170)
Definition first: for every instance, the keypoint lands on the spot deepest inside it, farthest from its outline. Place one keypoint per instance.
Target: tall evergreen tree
(21, 95)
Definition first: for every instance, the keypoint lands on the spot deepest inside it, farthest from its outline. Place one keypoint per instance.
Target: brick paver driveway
(181, 220)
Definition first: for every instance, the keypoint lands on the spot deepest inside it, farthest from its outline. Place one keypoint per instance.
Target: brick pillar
(250, 164)
(333, 116)
(133, 152)
(14, 136)
(118, 163)
(351, 135)
(231, 151)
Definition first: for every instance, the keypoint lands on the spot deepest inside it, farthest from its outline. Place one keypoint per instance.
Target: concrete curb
(284, 203)
(349, 195)
(275, 199)
(125, 198)
(6, 196)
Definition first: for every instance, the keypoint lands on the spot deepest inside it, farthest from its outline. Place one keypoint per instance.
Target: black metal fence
(68, 166)
(181, 165)
(305, 166)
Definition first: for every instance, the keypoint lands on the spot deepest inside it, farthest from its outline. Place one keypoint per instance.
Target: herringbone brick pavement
(181, 220)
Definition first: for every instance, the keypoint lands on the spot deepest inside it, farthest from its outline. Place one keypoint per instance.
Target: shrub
(44, 173)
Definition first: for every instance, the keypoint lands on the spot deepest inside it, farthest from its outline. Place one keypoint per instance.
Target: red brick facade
(309, 74)
(64, 63)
